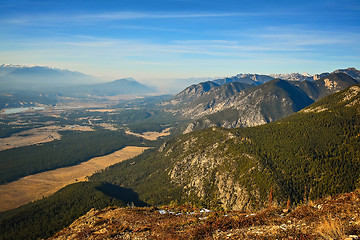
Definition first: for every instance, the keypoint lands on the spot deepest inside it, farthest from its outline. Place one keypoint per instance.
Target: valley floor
(335, 217)
(43, 184)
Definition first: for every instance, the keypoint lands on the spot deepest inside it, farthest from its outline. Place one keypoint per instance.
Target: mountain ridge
(256, 105)
(256, 79)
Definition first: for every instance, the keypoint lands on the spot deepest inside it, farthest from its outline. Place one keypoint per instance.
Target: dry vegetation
(38, 135)
(36, 186)
(330, 218)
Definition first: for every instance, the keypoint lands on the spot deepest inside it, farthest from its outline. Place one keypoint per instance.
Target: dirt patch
(151, 135)
(38, 135)
(40, 185)
(108, 126)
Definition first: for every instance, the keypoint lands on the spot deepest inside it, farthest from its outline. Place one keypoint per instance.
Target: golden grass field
(38, 135)
(40, 185)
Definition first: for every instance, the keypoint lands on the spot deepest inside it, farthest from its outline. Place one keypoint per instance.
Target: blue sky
(156, 40)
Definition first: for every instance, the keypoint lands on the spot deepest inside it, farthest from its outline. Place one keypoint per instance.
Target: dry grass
(38, 135)
(306, 222)
(332, 228)
(36, 186)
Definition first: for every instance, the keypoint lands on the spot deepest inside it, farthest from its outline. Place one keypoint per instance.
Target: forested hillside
(73, 148)
(307, 155)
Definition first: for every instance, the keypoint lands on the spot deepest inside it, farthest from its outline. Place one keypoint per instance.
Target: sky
(154, 41)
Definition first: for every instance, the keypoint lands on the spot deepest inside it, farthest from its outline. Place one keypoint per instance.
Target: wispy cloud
(155, 15)
(310, 38)
(92, 18)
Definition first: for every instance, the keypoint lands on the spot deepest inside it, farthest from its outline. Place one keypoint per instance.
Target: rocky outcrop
(207, 172)
(336, 217)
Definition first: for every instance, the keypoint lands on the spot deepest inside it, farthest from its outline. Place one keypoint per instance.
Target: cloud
(93, 18)
(101, 17)
(159, 15)
(264, 44)
(310, 38)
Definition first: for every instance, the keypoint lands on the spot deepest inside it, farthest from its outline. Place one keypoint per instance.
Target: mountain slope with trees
(308, 155)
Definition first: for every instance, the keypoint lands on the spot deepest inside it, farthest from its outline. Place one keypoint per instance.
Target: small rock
(286, 210)
(283, 227)
(319, 206)
(162, 212)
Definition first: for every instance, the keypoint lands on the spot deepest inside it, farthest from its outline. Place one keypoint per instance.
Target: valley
(223, 145)
(180, 119)
(40, 185)
(38, 135)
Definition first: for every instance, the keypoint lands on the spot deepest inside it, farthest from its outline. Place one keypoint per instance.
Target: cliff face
(248, 108)
(205, 175)
(208, 167)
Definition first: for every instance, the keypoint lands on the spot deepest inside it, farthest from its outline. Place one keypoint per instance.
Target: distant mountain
(298, 76)
(17, 77)
(326, 85)
(261, 104)
(192, 92)
(251, 107)
(352, 72)
(118, 87)
(46, 80)
(253, 79)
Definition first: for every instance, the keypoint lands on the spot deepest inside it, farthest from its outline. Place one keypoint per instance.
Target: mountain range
(47, 79)
(39, 77)
(255, 79)
(31, 86)
(238, 104)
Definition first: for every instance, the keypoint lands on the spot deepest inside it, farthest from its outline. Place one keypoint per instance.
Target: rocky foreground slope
(335, 217)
